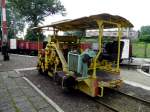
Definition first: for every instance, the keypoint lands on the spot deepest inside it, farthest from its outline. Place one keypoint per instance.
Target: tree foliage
(34, 11)
(36, 34)
(145, 34)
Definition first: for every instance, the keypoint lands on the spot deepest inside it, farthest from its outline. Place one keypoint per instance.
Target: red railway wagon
(24, 47)
(28, 47)
(20, 44)
(34, 46)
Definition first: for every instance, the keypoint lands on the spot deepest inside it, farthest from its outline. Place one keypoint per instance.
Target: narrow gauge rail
(133, 97)
(106, 105)
(122, 102)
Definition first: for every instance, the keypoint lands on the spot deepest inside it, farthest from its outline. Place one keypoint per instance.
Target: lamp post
(4, 31)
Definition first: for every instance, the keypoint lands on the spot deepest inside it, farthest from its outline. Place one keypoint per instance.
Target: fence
(141, 50)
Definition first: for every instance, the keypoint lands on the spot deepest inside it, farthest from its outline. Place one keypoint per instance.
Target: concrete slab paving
(133, 75)
(16, 95)
(17, 62)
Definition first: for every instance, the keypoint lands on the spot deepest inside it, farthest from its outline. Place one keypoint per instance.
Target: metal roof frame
(90, 23)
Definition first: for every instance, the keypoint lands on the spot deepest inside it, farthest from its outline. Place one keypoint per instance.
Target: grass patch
(138, 50)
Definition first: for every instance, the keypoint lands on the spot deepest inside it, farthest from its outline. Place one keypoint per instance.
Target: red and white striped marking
(4, 23)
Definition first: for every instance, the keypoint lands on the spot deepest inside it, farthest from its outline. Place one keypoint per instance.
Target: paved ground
(16, 95)
(74, 101)
(135, 76)
(17, 62)
(137, 61)
(77, 101)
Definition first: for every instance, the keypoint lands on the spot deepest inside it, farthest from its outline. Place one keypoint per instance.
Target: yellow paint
(38, 47)
(102, 92)
(119, 37)
(50, 74)
(46, 59)
(111, 84)
(100, 23)
(86, 85)
(61, 57)
(54, 56)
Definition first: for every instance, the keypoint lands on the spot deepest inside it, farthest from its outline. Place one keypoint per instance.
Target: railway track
(121, 102)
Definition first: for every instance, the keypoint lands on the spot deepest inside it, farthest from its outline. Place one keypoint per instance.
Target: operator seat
(111, 51)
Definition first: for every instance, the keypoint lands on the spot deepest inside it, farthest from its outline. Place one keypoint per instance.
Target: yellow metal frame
(100, 46)
(86, 84)
(90, 84)
(102, 92)
(100, 37)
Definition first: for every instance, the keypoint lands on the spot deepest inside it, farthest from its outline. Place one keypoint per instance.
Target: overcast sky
(136, 11)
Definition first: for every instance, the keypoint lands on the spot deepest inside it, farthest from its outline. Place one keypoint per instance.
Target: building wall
(132, 34)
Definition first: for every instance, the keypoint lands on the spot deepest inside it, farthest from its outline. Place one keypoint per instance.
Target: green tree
(145, 37)
(145, 34)
(36, 34)
(34, 11)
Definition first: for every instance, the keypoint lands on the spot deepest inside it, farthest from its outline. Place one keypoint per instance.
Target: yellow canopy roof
(89, 23)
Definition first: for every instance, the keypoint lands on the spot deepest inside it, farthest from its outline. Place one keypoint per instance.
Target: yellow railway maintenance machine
(90, 71)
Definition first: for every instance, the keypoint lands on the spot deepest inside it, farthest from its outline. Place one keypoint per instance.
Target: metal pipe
(119, 37)
(100, 46)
